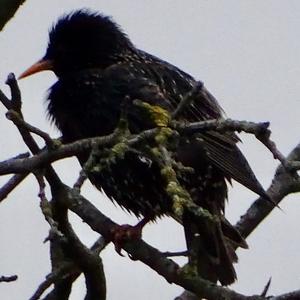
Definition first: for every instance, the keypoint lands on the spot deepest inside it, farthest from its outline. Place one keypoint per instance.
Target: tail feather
(212, 248)
(225, 270)
(233, 235)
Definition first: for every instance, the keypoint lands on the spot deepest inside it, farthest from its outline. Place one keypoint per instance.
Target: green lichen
(189, 270)
(182, 200)
(176, 192)
(163, 136)
(156, 152)
(56, 143)
(168, 173)
(175, 189)
(180, 197)
(158, 115)
(105, 158)
(119, 150)
(205, 214)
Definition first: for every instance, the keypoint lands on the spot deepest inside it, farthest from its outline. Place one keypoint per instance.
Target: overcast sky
(247, 54)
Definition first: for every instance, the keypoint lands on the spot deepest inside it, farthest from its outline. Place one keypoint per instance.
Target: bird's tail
(212, 247)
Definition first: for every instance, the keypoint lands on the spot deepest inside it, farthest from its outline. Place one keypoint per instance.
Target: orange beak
(41, 65)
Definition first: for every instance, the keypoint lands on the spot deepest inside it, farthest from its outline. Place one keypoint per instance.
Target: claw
(123, 233)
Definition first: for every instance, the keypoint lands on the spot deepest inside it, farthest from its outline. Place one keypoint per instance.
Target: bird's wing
(221, 148)
(222, 151)
(163, 84)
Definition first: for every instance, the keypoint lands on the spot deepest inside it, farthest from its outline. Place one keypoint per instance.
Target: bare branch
(284, 183)
(8, 278)
(16, 103)
(80, 180)
(16, 118)
(46, 157)
(223, 125)
(64, 271)
(260, 130)
(288, 296)
(139, 250)
(5, 101)
(11, 185)
(63, 151)
(174, 254)
(266, 288)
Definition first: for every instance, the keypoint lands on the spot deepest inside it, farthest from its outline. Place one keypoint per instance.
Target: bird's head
(82, 40)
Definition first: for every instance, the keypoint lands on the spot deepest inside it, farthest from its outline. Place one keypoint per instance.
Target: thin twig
(45, 157)
(8, 278)
(260, 130)
(223, 125)
(68, 269)
(175, 254)
(266, 288)
(19, 121)
(11, 185)
(65, 270)
(16, 103)
(80, 180)
(5, 101)
(63, 151)
(22, 155)
(264, 138)
(46, 209)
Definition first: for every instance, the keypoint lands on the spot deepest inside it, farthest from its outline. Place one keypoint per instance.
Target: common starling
(98, 68)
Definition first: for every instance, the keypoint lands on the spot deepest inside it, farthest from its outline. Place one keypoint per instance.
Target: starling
(98, 68)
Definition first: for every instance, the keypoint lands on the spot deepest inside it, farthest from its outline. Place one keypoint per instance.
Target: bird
(98, 69)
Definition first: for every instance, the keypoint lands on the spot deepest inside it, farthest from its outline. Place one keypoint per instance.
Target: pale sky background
(247, 54)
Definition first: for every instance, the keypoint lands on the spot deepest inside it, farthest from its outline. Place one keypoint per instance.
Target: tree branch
(11, 185)
(284, 183)
(139, 250)
(8, 278)
(8, 9)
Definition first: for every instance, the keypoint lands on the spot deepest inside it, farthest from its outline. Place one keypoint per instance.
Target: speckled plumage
(97, 68)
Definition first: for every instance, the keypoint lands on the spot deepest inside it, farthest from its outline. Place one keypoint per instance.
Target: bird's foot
(124, 233)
